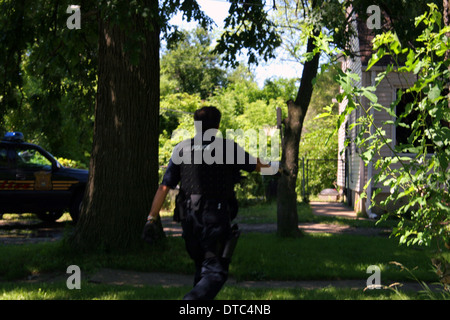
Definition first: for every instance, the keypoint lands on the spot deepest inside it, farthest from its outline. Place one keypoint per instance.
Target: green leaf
(434, 93)
(368, 93)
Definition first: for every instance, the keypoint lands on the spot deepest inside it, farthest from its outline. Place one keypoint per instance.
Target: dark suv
(33, 181)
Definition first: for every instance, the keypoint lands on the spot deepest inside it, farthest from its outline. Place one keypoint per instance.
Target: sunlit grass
(15, 217)
(91, 291)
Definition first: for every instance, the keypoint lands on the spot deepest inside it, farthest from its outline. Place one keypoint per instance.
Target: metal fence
(310, 168)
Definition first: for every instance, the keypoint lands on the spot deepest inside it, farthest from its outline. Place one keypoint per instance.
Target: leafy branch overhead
(248, 27)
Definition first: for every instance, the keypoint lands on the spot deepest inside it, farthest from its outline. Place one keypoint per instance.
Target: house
(353, 174)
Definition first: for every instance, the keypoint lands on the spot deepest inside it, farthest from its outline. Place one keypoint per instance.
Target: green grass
(326, 256)
(258, 256)
(90, 291)
(267, 213)
(19, 261)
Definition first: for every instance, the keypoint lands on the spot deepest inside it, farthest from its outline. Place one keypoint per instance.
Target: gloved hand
(153, 231)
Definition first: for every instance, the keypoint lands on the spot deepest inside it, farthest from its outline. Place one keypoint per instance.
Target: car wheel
(75, 208)
(49, 216)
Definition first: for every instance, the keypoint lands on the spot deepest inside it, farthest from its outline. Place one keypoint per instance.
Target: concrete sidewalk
(337, 209)
(168, 280)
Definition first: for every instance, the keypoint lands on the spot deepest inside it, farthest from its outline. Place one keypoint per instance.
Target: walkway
(168, 280)
(335, 209)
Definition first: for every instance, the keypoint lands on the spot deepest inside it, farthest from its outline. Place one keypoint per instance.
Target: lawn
(91, 291)
(258, 256)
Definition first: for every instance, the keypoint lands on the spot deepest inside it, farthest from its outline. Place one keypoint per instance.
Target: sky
(218, 10)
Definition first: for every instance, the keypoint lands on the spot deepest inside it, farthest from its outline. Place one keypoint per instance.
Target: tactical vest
(205, 169)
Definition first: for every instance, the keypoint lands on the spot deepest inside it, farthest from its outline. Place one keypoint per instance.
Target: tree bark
(287, 218)
(124, 161)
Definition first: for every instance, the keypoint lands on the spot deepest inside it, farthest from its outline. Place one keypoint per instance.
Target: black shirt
(210, 168)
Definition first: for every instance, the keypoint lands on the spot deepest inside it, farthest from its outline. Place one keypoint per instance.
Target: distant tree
(48, 75)
(190, 66)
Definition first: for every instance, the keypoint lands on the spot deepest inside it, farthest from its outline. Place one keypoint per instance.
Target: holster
(179, 212)
(231, 242)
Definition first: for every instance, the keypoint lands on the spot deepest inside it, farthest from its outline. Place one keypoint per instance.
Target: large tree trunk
(287, 218)
(124, 161)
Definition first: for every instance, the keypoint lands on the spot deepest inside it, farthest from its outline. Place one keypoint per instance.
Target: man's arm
(158, 201)
(249, 161)
(260, 165)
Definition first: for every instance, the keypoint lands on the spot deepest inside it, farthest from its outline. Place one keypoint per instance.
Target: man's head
(209, 117)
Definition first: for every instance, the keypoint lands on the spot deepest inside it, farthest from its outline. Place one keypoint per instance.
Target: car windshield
(33, 159)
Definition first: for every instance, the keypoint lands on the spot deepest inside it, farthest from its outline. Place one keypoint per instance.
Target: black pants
(206, 229)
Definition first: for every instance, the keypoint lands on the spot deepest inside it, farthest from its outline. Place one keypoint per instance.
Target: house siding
(357, 172)
(353, 175)
(351, 171)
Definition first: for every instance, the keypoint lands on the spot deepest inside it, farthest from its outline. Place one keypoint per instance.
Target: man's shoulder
(183, 144)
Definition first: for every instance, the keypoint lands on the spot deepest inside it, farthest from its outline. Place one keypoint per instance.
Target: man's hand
(153, 231)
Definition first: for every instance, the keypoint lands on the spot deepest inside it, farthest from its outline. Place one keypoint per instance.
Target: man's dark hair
(209, 117)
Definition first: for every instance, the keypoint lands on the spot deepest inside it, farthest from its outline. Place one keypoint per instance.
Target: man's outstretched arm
(260, 165)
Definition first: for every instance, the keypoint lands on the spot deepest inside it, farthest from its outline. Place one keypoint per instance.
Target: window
(7, 157)
(32, 159)
(3, 158)
(407, 115)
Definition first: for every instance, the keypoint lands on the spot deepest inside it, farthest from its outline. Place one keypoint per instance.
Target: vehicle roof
(21, 143)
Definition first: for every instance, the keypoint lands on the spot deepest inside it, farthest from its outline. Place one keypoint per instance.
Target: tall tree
(287, 218)
(124, 160)
(316, 17)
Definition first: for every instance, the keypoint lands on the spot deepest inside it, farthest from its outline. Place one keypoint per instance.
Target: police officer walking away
(206, 169)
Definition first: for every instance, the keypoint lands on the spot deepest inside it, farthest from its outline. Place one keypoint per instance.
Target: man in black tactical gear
(206, 168)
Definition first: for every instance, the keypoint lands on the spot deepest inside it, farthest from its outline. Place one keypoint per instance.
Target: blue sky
(218, 10)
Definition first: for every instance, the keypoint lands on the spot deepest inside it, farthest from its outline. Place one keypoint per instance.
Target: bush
(71, 163)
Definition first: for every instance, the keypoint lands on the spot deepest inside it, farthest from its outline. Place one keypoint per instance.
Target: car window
(7, 157)
(29, 158)
(3, 158)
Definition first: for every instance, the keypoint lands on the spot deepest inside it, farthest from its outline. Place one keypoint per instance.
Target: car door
(7, 178)
(33, 177)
